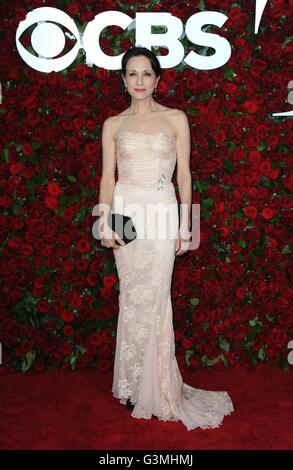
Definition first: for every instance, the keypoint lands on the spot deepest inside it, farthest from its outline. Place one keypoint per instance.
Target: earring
(125, 89)
(155, 92)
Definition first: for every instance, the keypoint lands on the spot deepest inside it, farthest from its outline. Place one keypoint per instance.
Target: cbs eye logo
(48, 39)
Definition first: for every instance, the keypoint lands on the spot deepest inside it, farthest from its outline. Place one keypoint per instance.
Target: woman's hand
(110, 242)
(182, 243)
(108, 237)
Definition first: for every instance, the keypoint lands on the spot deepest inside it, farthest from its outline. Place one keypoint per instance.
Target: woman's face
(140, 76)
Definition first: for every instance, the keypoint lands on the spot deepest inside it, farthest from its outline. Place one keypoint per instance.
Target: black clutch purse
(123, 226)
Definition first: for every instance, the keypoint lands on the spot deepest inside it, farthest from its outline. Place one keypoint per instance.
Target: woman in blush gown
(141, 141)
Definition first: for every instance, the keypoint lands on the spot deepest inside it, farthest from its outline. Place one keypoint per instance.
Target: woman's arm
(107, 183)
(184, 179)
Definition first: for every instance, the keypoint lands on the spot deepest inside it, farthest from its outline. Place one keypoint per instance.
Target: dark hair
(137, 51)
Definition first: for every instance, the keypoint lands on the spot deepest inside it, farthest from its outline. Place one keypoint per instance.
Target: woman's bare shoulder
(113, 123)
(176, 111)
(178, 116)
(123, 113)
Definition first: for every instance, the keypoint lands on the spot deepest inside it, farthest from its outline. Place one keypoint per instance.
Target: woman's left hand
(181, 244)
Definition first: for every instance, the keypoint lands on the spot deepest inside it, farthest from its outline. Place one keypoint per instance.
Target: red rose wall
(231, 297)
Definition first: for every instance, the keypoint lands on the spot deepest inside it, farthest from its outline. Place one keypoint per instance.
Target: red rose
(267, 213)
(16, 168)
(83, 246)
(68, 330)
(187, 342)
(67, 316)
(51, 202)
(53, 189)
(68, 265)
(104, 365)
(95, 339)
(66, 349)
(250, 211)
(27, 149)
(109, 280)
(43, 306)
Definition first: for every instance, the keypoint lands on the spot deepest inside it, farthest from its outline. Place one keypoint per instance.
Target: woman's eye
(147, 73)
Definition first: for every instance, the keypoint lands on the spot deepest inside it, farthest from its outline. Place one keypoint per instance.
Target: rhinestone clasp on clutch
(161, 181)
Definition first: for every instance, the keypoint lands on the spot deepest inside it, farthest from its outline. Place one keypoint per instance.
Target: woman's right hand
(110, 239)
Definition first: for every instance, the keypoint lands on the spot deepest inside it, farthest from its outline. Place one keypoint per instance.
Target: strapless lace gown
(145, 367)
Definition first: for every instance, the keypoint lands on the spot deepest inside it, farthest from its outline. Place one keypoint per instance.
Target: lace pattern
(145, 368)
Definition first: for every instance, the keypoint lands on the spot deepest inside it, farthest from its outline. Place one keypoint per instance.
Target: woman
(148, 139)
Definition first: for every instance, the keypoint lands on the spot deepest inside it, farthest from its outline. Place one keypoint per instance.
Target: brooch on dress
(161, 181)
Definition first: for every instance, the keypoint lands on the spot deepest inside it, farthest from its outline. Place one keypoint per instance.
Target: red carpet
(76, 410)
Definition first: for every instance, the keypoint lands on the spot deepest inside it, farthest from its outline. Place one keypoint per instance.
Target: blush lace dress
(145, 367)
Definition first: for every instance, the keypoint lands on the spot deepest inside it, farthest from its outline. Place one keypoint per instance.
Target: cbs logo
(48, 39)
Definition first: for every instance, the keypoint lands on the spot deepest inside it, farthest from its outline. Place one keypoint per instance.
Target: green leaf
(201, 5)
(229, 74)
(259, 250)
(208, 202)
(28, 360)
(35, 181)
(206, 214)
(88, 193)
(286, 250)
(15, 208)
(80, 349)
(209, 362)
(254, 322)
(262, 145)
(284, 364)
(262, 354)
(240, 258)
(224, 344)
(242, 243)
(71, 178)
(5, 154)
(108, 266)
(73, 360)
(252, 356)
(224, 359)
(194, 301)
(200, 186)
(35, 145)
(75, 355)
(188, 354)
(228, 165)
(197, 186)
